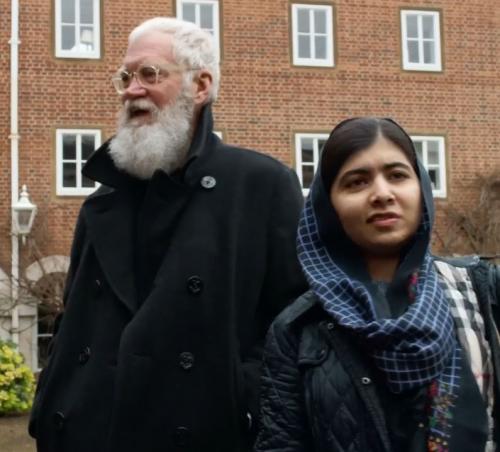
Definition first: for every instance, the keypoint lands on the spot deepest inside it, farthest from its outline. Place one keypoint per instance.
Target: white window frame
(215, 17)
(298, 61)
(299, 164)
(78, 52)
(78, 190)
(421, 66)
(439, 192)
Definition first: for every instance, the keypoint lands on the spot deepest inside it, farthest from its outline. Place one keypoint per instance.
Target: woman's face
(377, 197)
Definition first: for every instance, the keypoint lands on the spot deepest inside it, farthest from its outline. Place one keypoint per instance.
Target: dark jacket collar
(101, 168)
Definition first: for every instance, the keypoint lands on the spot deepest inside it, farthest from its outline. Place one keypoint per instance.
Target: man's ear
(202, 83)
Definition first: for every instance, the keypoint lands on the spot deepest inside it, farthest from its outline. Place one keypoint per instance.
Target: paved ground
(14, 436)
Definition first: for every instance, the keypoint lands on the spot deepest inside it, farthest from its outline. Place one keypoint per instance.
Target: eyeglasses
(146, 76)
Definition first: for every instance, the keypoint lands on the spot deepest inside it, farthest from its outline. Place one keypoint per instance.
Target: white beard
(140, 150)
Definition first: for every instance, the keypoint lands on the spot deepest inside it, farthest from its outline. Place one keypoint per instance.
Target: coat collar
(111, 210)
(101, 168)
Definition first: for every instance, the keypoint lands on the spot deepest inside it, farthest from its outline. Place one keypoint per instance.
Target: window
(78, 29)
(204, 13)
(421, 40)
(430, 150)
(307, 149)
(73, 148)
(312, 35)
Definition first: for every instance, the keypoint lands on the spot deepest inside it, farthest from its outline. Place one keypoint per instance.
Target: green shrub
(17, 383)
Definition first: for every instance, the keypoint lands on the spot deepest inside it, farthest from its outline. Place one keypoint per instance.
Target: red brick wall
(264, 99)
(4, 135)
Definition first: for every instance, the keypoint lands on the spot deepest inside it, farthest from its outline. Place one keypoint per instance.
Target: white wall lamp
(24, 212)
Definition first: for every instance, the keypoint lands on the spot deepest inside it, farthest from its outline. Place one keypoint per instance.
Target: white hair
(192, 47)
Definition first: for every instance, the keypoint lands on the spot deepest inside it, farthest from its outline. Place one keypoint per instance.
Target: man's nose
(134, 90)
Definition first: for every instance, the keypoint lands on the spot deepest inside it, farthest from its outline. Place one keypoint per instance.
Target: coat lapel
(112, 216)
(110, 222)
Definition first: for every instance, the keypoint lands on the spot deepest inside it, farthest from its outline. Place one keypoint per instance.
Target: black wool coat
(178, 369)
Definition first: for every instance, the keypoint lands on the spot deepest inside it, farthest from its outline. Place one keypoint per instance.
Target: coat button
(330, 326)
(84, 355)
(186, 360)
(366, 380)
(194, 284)
(208, 182)
(181, 436)
(59, 420)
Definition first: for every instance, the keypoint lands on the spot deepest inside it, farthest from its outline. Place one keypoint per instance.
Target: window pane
(43, 351)
(206, 16)
(412, 26)
(69, 175)
(432, 146)
(87, 183)
(303, 21)
(69, 147)
(307, 176)
(45, 320)
(412, 51)
(432, 158)
(307, 150)
(429, 53)
(320, 21)
(304, 47)
(188, 12)
(87, 11)
(88, 146)
(68, 11)
(67, 37)
(87, 39)
(434, 176)
(307, 144)
(320, 43)
(428, 26)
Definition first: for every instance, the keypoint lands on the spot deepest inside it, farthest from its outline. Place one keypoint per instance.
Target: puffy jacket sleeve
(283, 425)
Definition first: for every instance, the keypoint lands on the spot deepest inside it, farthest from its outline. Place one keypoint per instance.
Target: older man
(180, 261)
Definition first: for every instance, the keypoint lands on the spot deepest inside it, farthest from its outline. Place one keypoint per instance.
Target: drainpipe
(14, 159)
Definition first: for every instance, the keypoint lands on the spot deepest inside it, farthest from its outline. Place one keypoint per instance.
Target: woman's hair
(354, 135)
(192, 46)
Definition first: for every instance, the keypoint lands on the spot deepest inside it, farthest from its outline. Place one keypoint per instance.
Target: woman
(388, 351)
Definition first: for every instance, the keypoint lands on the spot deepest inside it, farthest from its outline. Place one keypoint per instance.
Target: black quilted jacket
(320, 409)
(318, 388)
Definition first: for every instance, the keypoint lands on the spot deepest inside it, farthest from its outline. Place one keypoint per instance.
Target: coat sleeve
(283, 425)
(76, 249)
(284, 280)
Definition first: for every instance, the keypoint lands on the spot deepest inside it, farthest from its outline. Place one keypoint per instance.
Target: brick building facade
(290, 71)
